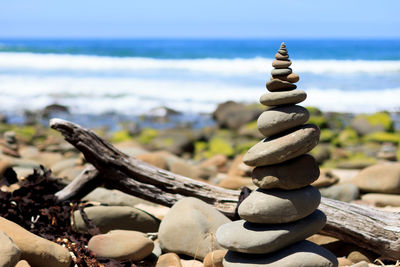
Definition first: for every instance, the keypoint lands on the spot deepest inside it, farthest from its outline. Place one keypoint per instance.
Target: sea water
(130, 77)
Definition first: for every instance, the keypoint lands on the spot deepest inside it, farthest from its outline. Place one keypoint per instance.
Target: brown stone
(281, 57)
(36, 250)
(154, 159)
(292, 78)
(214, 258)
(283, 147)
(121, 245)
(22, 263)
(235, 182)
(238, 168)
(344, 262)
(326, 178)
(283, 98)
(281, 64)
(292, 174)
(169, 260)
(279, 85)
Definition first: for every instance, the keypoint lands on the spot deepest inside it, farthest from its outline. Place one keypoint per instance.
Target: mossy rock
(327, 135)
(382, 137)
(378, 122)
(346, 137)
(120, 136)
(147, 135)
(353, 161)
(219, 145)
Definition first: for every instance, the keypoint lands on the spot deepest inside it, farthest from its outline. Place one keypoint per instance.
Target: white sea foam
(238, 66)
(96, 95)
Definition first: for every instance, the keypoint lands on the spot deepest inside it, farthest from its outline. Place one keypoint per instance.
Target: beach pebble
(325, 179)
(214, 258)
(292, 78)
(235, 182)
(116, 217)
(155, 159)
(279, 85)
(278, 119)
(280, 148)
(301, 254)
(246, 237)
(22, 263)
(342, 261)
(36, 250)
(382, 200)
(379, 178)
(191, 263)
(283, 98)
(281, 64)
(188, 226)
(279, 56)
(9, 252)
(279, 206)
(121, 245)
(281, 72)
(169, 260)
(114, 198)
(342, 192)
(292, 174)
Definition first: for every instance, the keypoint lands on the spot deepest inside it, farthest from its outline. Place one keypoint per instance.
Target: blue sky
(199, 19)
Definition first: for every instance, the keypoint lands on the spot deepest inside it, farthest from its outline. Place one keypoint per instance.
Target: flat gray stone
(282, 147)
(281, 72)
(278, 119)
(189, 226)
(279, 206)
(283, 98)
(292, 174)
(301, 254)
(246, 237)
(281, 64)
(116, 218)
(342, 192)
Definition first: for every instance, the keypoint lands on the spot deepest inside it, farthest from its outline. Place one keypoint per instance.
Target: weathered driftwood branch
(369, 228)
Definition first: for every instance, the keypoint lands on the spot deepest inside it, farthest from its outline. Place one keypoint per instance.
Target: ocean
(130, 77)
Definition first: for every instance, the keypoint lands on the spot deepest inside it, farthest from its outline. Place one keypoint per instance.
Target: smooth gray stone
(292, 174)
(283, 51)
(281, 118)
(279, 206)
(283, 98)
(281, 72)
(342, 192)
(246, 237)
(301, 254)
(284, 146)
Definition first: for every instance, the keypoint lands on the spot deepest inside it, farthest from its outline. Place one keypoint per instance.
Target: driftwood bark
(375, 230)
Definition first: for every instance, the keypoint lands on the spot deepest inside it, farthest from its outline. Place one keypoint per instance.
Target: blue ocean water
(130, 77)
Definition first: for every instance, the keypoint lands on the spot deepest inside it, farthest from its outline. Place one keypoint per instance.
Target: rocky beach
(305, 153)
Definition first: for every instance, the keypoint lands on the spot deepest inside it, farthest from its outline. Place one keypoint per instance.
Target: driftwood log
(366, 227)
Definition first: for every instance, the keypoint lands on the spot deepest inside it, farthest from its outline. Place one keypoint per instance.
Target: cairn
(282, 212)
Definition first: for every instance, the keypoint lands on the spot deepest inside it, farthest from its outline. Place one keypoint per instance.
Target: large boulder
(379, 178)
(189, 226)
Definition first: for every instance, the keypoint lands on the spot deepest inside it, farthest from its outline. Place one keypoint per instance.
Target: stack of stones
(282, 212)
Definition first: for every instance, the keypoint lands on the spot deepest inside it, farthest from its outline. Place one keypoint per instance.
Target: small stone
(379, 178)
(169, 260)
(301, 254)
(116, 217)
(36, 250)
(246, 237)
(191, 263)
(281, 64)
(282, 51)
(342, 192)
(9, 252)
(235, 182)
(188, 227)
(155, 159)
(342, 261)
(278, 119)
(281, 72)
(292, 78)
(22, 263)
(279, 85)
(357, 256)
(382, 200)
(281, 57)
(121, 245)
(279, 206)
(284, 146)
(214, 258)
(325, 179)
(283, 98)
(292, 174)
